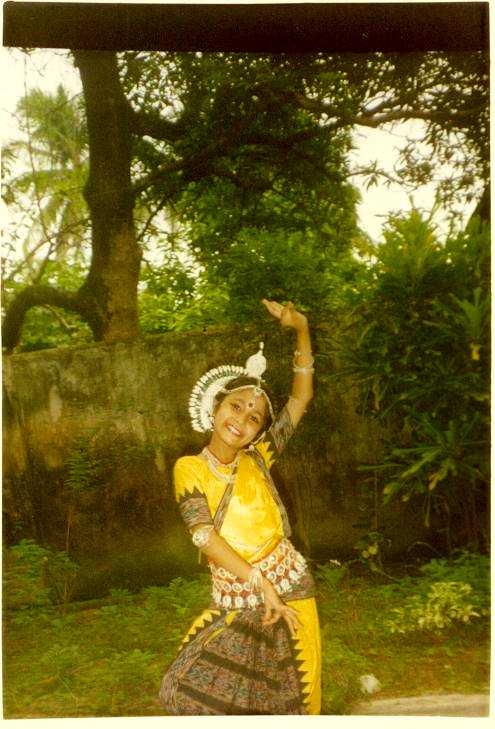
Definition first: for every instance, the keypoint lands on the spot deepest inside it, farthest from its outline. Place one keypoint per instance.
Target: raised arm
(302, 384)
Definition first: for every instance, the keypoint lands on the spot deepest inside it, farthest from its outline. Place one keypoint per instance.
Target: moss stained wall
(124, 406)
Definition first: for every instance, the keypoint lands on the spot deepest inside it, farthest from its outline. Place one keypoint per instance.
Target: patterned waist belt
(284, 567)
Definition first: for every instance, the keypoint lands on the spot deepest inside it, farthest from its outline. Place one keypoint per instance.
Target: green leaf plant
(419, 349)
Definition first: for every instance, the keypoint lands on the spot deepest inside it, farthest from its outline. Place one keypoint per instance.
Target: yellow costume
(255, 526)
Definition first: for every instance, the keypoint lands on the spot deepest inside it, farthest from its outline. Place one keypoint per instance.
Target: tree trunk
(482, 212)
(110, 290)
(107, 300)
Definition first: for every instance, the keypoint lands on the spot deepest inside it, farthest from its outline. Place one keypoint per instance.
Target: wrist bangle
(255, 580)
(303, 369)
(201, 536)
(307, 354)
(297, 352)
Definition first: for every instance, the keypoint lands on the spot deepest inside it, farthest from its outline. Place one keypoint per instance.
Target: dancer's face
(239, 417)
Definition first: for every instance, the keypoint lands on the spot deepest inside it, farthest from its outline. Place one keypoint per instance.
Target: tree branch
(374, 119)
(69, 328)
(37, 296)
(372, 170)
(147, 124)
(200, 165)
(166, 169)
(245, 183)
(67, 229)
(161, 204)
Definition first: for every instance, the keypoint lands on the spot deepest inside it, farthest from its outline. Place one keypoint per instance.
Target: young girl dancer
(256, 650)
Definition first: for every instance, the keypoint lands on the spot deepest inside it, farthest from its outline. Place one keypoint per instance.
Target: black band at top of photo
(271, 28)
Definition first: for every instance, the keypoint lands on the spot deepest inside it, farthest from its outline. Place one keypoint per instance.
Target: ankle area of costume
(284, 567)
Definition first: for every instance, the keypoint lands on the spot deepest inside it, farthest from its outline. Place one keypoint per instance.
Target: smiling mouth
(235, 431)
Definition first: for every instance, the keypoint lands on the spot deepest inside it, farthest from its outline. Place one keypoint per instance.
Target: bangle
(308, 354)
(297, 352)
(201, 536)
(303, 369)
(255, 580)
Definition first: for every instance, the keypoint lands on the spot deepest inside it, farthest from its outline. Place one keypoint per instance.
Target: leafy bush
(465, 567)
(419, 348)
(96, 661)
(35, 576)
(449, 591)
(370, 548)
(445, 603)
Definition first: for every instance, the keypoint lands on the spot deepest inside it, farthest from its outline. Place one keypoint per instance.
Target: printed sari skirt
(230, 663)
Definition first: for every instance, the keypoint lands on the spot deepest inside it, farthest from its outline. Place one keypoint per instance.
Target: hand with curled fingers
(287, 314)
(276, 609)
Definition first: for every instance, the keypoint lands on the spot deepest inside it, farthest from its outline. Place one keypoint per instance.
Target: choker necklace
(214, 463)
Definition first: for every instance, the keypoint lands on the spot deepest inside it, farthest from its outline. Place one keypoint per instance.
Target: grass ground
(356, 642)
(106, 658)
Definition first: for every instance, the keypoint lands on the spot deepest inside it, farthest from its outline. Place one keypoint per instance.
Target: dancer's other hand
(276, 609)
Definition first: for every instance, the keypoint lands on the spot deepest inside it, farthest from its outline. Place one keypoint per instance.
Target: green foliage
(240, 103)
(420, 351)
(385, 629)
(370, 550)
(58, 124)
(81, 471)
(178, 298)
(35, 576)
(445, 603)
(23, 575)
(121, 595)
(81, 468)
(463, 566)
(46, 203)
(47, 326)
(271, 219)
(108, 659)
(330, 574)
(341, 669)
(103, 661)
(442, 142)
(117, 678)
(450, 591)
(240, 162)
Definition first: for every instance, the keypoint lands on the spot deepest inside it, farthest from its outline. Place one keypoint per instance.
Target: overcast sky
(46, 68)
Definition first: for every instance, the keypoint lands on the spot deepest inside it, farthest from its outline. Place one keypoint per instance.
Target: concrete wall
(122, 410)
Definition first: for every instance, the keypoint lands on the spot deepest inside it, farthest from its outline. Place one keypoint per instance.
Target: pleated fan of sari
(235, 665)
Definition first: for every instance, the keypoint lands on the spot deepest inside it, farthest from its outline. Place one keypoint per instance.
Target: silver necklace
(214, 463)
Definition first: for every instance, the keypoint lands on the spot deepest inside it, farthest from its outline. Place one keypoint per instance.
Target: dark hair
(242, 381)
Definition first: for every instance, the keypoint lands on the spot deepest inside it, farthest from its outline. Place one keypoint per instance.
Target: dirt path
(426, 705)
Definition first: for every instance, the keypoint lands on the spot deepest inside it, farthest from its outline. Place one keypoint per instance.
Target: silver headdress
(213, 382)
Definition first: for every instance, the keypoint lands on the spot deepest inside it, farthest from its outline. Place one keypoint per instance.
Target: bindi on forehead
(251, 405)
(254, 402)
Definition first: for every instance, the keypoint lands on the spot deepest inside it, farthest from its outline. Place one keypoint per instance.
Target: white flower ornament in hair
(202, 400)
(256, 364)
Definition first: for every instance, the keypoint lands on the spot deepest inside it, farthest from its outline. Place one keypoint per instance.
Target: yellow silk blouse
(253, 524)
